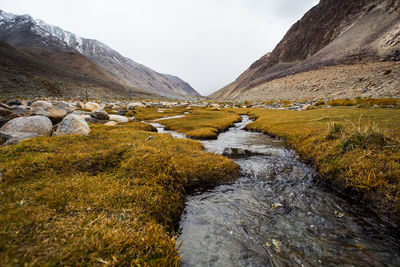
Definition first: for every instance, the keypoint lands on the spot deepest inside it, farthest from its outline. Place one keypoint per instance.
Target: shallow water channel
(275, 214)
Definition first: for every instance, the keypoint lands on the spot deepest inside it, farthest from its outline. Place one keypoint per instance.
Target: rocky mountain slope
(332, 33)
(24, 75)
(52, 44)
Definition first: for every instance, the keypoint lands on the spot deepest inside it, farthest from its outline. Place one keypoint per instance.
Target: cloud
(206, 42)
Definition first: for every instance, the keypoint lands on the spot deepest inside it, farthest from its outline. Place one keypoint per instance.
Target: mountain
(339, 48)
(53, 44)
(23, 75)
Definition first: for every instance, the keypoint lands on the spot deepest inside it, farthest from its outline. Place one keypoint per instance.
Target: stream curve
(275, 214)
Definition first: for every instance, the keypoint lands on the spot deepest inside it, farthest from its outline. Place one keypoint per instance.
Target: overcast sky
(207, 43)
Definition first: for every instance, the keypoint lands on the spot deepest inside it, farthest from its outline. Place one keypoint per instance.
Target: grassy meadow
(114, 197)
(203, 123)
(357, 150)
(110, 198)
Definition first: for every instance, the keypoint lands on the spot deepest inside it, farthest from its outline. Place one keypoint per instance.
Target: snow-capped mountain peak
(25, 32)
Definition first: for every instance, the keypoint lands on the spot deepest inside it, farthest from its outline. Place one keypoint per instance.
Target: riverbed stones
(72, 124)
(39, 125)
(133, 105)
(94, 121)
(118, 118)
(233, 152)
(99, 114)
(92, 106)
(44, 108)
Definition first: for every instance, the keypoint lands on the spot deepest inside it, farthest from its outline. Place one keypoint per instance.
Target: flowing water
(275, 214)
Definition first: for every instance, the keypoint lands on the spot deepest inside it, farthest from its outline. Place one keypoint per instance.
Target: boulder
(92, 106)
(118, 118)
(61, 105)
(99, 114)
(15, 138)
(72, 124)
(21, 110)
(44, 108)
(8, 113)
(111, 123)
(93, 120)
(39, 125)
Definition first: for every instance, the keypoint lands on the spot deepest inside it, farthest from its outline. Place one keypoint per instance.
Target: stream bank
(276, 214)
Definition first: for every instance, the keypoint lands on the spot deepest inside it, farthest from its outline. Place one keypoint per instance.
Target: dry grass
(152, 113)
(203, 123)
(366, 102)
(111, 198)
(356, 150)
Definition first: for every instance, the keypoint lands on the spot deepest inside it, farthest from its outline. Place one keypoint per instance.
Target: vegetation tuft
(203, 123)
(111, 198)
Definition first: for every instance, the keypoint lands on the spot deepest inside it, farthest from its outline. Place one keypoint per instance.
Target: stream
(276, 214)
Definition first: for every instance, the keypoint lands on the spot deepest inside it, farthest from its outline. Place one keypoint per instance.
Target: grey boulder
(72, 124)
(44, 108)
(39, 125)
(99, 114)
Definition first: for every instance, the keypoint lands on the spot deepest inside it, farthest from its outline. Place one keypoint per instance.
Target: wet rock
(233, 152)
(43, 108)
(99, 114)
(72, 124)
(118, 118)
(92, 106)
(38, 125)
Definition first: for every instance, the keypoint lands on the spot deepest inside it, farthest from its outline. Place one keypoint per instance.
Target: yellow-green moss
(111, 198)
(203, 123)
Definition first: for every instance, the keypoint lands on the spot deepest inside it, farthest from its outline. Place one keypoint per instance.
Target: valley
(107, 162)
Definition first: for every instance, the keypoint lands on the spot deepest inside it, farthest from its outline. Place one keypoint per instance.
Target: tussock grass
(366, 102)
(111, 198)
(203, 123)
(152, 113)
(356, 150)
(341, 102)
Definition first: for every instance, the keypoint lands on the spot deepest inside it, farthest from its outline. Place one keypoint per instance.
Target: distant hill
(65, 50)
(333, 33)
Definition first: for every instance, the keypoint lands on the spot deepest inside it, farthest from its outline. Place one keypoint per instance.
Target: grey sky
(208, 43)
